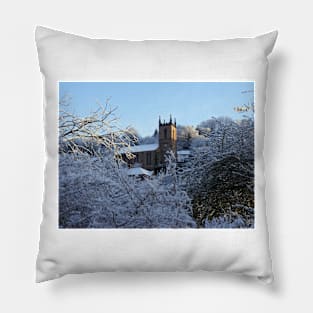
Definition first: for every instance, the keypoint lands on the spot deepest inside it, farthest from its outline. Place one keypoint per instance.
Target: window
(148, 158)
(165, 133)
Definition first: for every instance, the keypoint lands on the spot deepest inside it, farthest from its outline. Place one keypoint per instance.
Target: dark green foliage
(226, 189)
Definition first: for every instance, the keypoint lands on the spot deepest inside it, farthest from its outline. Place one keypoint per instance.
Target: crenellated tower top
(164, 123)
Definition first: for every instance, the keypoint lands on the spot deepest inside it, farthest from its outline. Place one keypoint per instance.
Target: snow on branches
(212, 188)
(92, 133)
(95, 190)
(219, 174)
(102, 195)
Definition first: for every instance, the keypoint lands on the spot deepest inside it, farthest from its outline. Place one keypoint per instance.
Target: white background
(288, 154)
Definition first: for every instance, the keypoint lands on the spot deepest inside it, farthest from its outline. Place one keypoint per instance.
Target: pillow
(154, 155)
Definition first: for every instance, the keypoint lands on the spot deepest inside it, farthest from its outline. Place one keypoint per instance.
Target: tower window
(165, 133)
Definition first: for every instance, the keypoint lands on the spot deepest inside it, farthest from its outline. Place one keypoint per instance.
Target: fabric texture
(66, 57)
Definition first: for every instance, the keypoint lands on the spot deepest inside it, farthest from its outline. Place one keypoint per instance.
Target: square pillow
(154, 155)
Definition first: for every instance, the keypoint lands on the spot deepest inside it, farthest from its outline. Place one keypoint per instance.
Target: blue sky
(140, 103)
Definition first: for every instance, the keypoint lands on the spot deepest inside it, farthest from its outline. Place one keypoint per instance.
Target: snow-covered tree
(185, 135)
(92, 133)
(213, 188)
(219, 176)
(98, 193)
(150, 139)
(95, 190)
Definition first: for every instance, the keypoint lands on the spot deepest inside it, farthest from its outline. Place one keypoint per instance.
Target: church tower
(167, 138)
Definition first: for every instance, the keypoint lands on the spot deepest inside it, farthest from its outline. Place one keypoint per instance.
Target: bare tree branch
(90, 134)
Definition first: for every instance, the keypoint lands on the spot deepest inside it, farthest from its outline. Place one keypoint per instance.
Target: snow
(140, 148)
(183, 152)
(98, 193)
(182, 155)
(137, 171)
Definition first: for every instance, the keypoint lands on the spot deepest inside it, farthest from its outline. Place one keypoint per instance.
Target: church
(152, 156)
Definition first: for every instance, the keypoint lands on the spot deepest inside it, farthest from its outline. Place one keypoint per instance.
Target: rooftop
(138, 171)
(140, 148)
(184, 152)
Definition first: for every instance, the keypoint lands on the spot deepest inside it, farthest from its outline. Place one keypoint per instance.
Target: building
(152, 156)
(183, 155)
(139, 172)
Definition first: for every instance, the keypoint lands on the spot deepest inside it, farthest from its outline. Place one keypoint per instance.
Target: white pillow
(65, 250)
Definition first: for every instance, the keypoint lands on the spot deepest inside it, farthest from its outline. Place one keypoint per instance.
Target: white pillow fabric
(66, 57)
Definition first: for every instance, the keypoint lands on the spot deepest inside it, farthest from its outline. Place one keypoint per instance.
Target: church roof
(140, 148)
